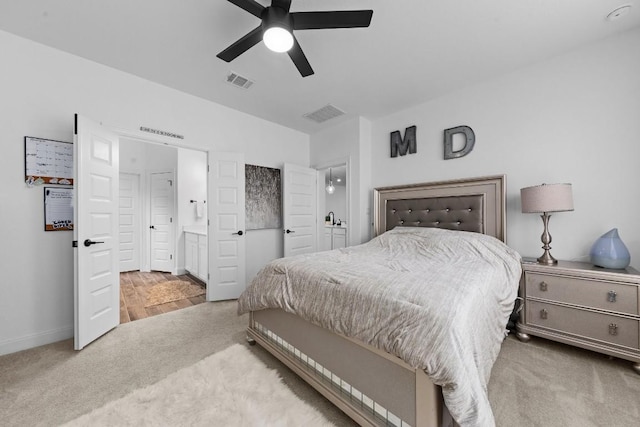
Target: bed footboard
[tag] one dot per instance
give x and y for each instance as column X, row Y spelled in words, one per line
column 371, row 386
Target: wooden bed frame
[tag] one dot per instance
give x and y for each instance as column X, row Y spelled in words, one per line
column 371, row 386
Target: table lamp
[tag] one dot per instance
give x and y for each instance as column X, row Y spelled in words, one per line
column 543, row 199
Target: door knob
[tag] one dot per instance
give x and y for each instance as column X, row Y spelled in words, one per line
column 289, row 231
column 153, row 227
column 239, row 233
column 90, row 242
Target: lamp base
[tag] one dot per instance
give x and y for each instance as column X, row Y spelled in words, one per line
column 547, row 259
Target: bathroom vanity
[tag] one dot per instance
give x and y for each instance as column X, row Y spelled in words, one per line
column 335, row 236
column 196, row 260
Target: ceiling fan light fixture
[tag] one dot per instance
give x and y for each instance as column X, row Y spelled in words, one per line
column 278, row 24
column 278, row 39
column 277, row 28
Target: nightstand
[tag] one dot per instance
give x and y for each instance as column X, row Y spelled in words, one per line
column 582, row 305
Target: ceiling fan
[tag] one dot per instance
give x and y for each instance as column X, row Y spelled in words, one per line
column 276, row 29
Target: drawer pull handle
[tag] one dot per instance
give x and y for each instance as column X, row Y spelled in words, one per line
column 611, row 296
column 544, row 313
column 613, row 329
column 543, row 286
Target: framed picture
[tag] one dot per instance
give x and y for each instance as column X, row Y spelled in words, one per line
column 58, row 209
column 263, row 198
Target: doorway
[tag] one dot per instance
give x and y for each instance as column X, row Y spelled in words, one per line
column 97, row 167
column 333, row 203
column 158, row 185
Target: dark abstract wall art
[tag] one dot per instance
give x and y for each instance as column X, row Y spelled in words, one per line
column 263, row 197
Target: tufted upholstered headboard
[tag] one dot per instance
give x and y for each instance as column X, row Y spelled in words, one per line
column 475, row 204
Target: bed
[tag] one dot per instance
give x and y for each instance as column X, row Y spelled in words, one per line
column 440, row 315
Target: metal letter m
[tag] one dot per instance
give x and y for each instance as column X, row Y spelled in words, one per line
column 401, row 145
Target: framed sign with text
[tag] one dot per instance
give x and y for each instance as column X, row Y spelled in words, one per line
column 58, row 208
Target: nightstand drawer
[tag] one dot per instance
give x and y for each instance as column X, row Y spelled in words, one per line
column 600, row 326
column 609, row 296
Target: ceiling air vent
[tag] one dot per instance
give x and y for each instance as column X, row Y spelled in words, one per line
column 238, row 80
column 325, row 113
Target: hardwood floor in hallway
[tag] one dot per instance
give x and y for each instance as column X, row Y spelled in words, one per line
column 134, row 288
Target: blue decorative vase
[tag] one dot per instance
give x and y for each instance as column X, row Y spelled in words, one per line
column 609, row 251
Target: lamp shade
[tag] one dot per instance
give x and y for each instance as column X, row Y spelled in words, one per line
column 547, row 198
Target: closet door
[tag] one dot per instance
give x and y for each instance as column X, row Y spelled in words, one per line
column 299, row 200
column 129, row 222
column 161, row 221
column 226, row 230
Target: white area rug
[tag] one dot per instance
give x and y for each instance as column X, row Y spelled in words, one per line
column 230, row 388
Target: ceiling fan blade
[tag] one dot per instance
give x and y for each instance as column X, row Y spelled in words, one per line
column 299, row 59
column 282, row 4
column 242, row 45
column 335, row 19
column 250, row 6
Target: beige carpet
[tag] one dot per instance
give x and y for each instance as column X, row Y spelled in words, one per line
column 174, row 290
column 230, row 388
column 534, row 384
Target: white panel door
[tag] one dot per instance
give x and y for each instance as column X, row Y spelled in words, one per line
column 161, row 221
column 227, row 233
column 129, row 222
column 96, row 257
column 299, row 210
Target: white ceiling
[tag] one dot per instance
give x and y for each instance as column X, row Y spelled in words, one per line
column 413, row 51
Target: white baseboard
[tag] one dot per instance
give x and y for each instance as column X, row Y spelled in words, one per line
column 35, row 340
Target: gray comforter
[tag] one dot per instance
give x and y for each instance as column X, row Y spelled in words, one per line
column 438, row 299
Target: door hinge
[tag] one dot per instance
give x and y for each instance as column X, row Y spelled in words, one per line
column 170, row 219
column 170, row 182
column 171, row 256
column 74, row 244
